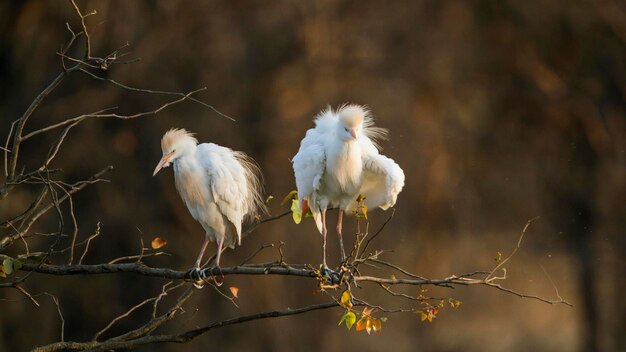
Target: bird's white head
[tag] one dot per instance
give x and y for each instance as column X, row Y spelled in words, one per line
column 175, row 143
column 351, row 119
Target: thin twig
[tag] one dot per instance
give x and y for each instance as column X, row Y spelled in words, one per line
column 393, row 212
column 123, row 315
column 393, row 266
column 517, row 247
column 269, row 245
column 96, row 234
column 85, row 32
column 25, row 293
column 56, row 302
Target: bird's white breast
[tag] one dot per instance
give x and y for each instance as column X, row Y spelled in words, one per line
column 344, row 168
column 192, row 182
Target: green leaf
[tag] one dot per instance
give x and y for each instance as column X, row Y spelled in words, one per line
column 7, row 266
column 349, row 318
column 296, row 213
column 17, row 265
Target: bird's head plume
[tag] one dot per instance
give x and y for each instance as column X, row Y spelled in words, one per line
column 350, row 119
column 175, row 142
column 176, row 136
column 356, row 120
column 352, row 116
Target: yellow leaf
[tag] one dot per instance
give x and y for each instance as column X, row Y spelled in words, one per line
column 158, row 242
column 349, row 318
column 235, row 291
column 367, row 311
column 368, row 324
column 455, row 303
column 377, row 325
column 498, row 257
column 346, row 299
column 296, row 213
column 291, row 195
column 270, row 197
column 392, row 277
column 364, row 210
column 424, row 316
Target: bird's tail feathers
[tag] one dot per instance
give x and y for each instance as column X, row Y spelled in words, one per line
column 317, row 216
column 254, row 178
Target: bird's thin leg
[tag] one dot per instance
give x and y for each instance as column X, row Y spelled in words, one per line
column 204, row 245
column 339, row 226
column 197, row 274
column 326, row 272
column 324, row 231
column 220, row 245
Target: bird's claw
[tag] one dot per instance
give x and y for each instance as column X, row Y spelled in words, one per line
column 329, row 275
column 198, row 276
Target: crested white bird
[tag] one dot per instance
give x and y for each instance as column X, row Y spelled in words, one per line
column 339, row 160
column 220, row 186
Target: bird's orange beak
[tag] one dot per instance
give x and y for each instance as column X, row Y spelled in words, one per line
column 353, row 133
column 162, row 162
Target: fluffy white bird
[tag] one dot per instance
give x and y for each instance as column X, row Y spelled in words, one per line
column 220, row 186
column 339, row 160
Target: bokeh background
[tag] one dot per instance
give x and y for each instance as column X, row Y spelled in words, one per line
column 499, row 112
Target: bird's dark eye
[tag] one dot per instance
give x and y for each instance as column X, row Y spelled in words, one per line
column 347, row 129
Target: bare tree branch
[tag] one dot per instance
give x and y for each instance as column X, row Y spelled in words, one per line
column 182, row 337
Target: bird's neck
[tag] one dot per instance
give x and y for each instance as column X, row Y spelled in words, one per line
column 346, row 147
column 190, row 181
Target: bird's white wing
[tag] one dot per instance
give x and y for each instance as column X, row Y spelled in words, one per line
column 310, row 161
column 309, row 164
column 228, row 182
column 383, row 179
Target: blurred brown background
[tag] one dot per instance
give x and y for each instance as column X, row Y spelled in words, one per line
column 499, row 111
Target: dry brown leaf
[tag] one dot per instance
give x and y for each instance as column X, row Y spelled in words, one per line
column 158, row 242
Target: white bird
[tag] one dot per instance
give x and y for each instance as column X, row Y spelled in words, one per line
column 338, row 160
column 220, row 187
